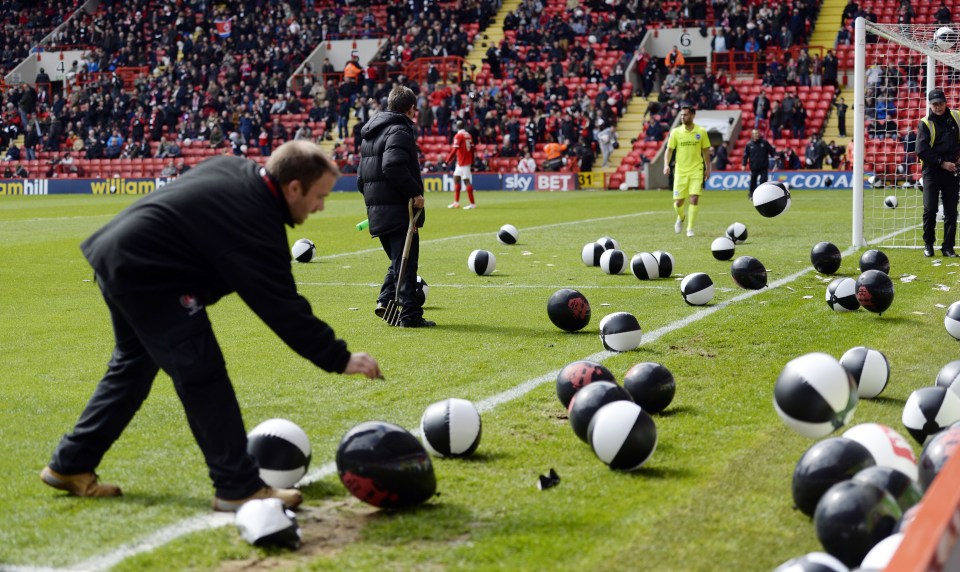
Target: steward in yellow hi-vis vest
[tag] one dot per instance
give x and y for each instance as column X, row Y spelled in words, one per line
column 689, row 149
column 938, row 146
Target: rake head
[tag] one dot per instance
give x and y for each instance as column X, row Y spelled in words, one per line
column 391, row 312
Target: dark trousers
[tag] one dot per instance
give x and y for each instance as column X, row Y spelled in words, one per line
column 940, row 185
column 393, row 246
column 171, row 332
column 757, row 178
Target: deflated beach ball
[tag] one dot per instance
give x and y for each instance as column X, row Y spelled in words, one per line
column 589, row 400
column 568, row 310
column 737, row 232
column 936, row 453
column 722, row 248
column 929, row 410
column 622, row 435
column 814, row 395
column 483, row 262
column 823, row 465
column 749, row 273
column 842, row 295
column 875, row 291
column 825, row 257
column 697, row 289
column 651, row 386
column 952, row 320
column 644, row 266
column 949, row 377
column 264, row 522
column 303, row 250
column 576, row 375
column 620, row 332
column 384, row 465
column 875, row 260
column 421, row 291
column 608, row 243
column 889, row 448
column 852, row 517
column 771, row 199
column 665, row 261
column 613, row 261
column 890, row 202
column 591, row 254
column 868, row 368
column 508, row 234
column 451, row 428
column 282, row 451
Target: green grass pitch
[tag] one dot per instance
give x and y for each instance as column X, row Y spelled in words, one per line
column 715, row 495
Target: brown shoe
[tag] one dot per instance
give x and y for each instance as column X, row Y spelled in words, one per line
column 291, row 498
column 81, row 484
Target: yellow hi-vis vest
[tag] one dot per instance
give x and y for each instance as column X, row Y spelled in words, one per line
column 933, row 130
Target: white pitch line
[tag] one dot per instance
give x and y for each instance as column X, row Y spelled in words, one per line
column 462, row 236
column 498, row 286
column 211, row 521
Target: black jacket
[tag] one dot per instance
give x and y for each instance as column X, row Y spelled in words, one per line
column 757, row 153
column 389, row 174
column 217, row 229
column 946, row 146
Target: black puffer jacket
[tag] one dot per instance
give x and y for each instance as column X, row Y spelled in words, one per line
column 389, row 174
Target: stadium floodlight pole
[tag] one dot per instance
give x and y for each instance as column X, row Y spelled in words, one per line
column 859, row 92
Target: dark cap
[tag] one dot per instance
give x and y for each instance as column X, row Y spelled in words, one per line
column 936, row 96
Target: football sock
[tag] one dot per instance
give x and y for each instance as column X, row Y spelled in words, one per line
column 692, row 212
column 679, row 210
column 456, row 192
column 470, row 192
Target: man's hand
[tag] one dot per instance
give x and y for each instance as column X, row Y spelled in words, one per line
column 418, row 201
column 666, row 170
column 363, row 364
column 952, row 167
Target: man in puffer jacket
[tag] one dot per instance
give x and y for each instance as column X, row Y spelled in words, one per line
column 389, row 177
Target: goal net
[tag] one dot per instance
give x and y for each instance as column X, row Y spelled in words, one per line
column 895, row 66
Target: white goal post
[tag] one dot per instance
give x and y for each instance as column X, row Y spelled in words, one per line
column 894, row 67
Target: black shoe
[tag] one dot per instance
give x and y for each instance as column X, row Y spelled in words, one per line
column 381, row 309
column 948, row 253
column 928, row 250
column 417, row 323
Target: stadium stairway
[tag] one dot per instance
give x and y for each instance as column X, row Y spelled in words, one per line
column 493, row 35
column 629, row 127
column 828, row 23
column 830, row 130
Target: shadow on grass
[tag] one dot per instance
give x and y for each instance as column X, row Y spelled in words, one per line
column 678, row 410
column 324, row 488
column 482, row 457
column 147, row 500
column 661, row 473
column 886, row 400
column 527, row 333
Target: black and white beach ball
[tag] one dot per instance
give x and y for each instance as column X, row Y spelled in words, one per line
column 737, row 232
column 508, row 234
column 666, row 262
column 697, row 289
column 771, row 199
column 608, row 243
column 949, row 377
column 900, row 486
column 869, row 368
column 282, row 451
column 483, row 262
column 852, row 517
column 620, row 332
column 823, row 465
column 613, row 261
column 888, row 447
column 814, row 395
column 451, row 428
column 591, row 254
column 622, row 435
column 303, row 250
column 951, row 321
column 422, row 291
column 589, row 400
column 936, row 453
column 929, row 410
column 842, row 295
column 813, row 562
column 644, row 266
column 722, row 248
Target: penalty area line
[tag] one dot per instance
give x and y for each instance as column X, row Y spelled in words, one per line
column 215, row 520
